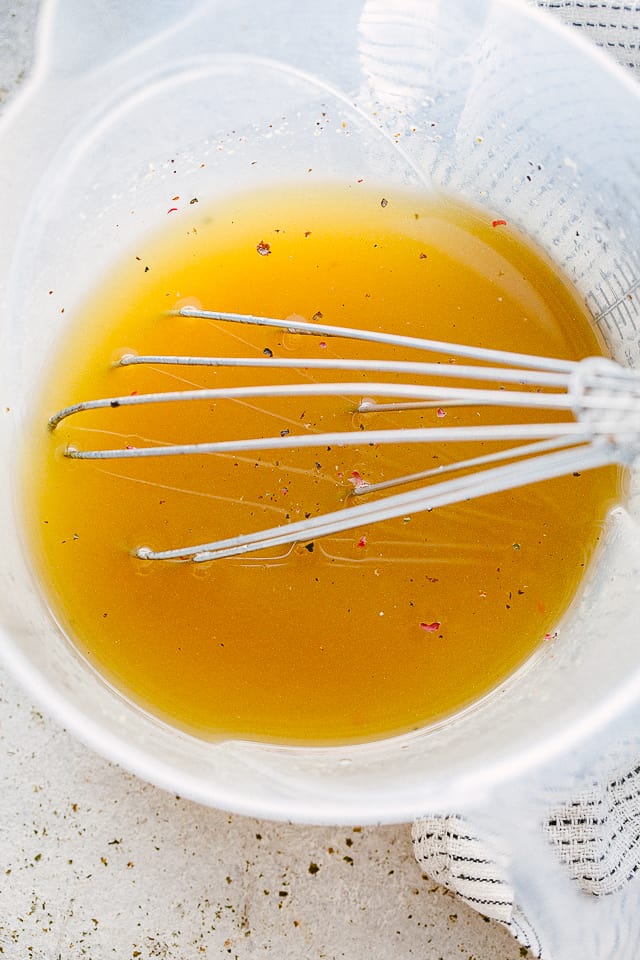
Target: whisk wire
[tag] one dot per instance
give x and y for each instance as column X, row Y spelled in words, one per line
column 602, row 396
column 493, row 480
column 295, row 325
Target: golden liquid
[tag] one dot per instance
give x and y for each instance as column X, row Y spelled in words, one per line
column 374, row 631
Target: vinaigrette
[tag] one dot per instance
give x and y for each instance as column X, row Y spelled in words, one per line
column 358, row 636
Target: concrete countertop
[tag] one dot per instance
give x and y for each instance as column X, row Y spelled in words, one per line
column 95, row 863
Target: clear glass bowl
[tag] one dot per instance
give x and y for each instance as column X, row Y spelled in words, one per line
column 130, row 103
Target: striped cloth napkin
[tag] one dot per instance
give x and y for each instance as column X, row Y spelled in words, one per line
column 597, row 832
column 596, row 835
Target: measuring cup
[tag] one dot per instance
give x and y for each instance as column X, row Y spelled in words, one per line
column 132, row 103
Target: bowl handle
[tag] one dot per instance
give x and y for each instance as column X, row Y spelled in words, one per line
column 75, row 37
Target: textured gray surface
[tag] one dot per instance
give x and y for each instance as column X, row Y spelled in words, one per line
column 16, row 43
column 95, row 863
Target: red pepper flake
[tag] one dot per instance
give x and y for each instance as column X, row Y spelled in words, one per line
column 498, row 223
column 134, row 393
column 264, row 249
column 174, row 199
column 284, row 491
column 307, row 233
column 360, row 180
column 430, row 627
column 423, row 256
column 357, row 480
column 172, row 209
column 441, row 413
column 323, row 345
column 551, row 636
column 362, row 542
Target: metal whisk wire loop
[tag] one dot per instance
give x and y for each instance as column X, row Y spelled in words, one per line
column 603, row 397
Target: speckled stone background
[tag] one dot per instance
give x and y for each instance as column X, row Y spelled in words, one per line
column 97, row 864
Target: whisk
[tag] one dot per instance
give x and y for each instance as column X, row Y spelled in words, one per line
column 603, row 397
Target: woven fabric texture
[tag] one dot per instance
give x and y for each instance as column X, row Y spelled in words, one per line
column 615, row 26
column 596, row 835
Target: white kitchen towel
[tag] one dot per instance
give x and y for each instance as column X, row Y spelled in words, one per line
column 596, row 833
column 450, row 853
column 612, row 24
